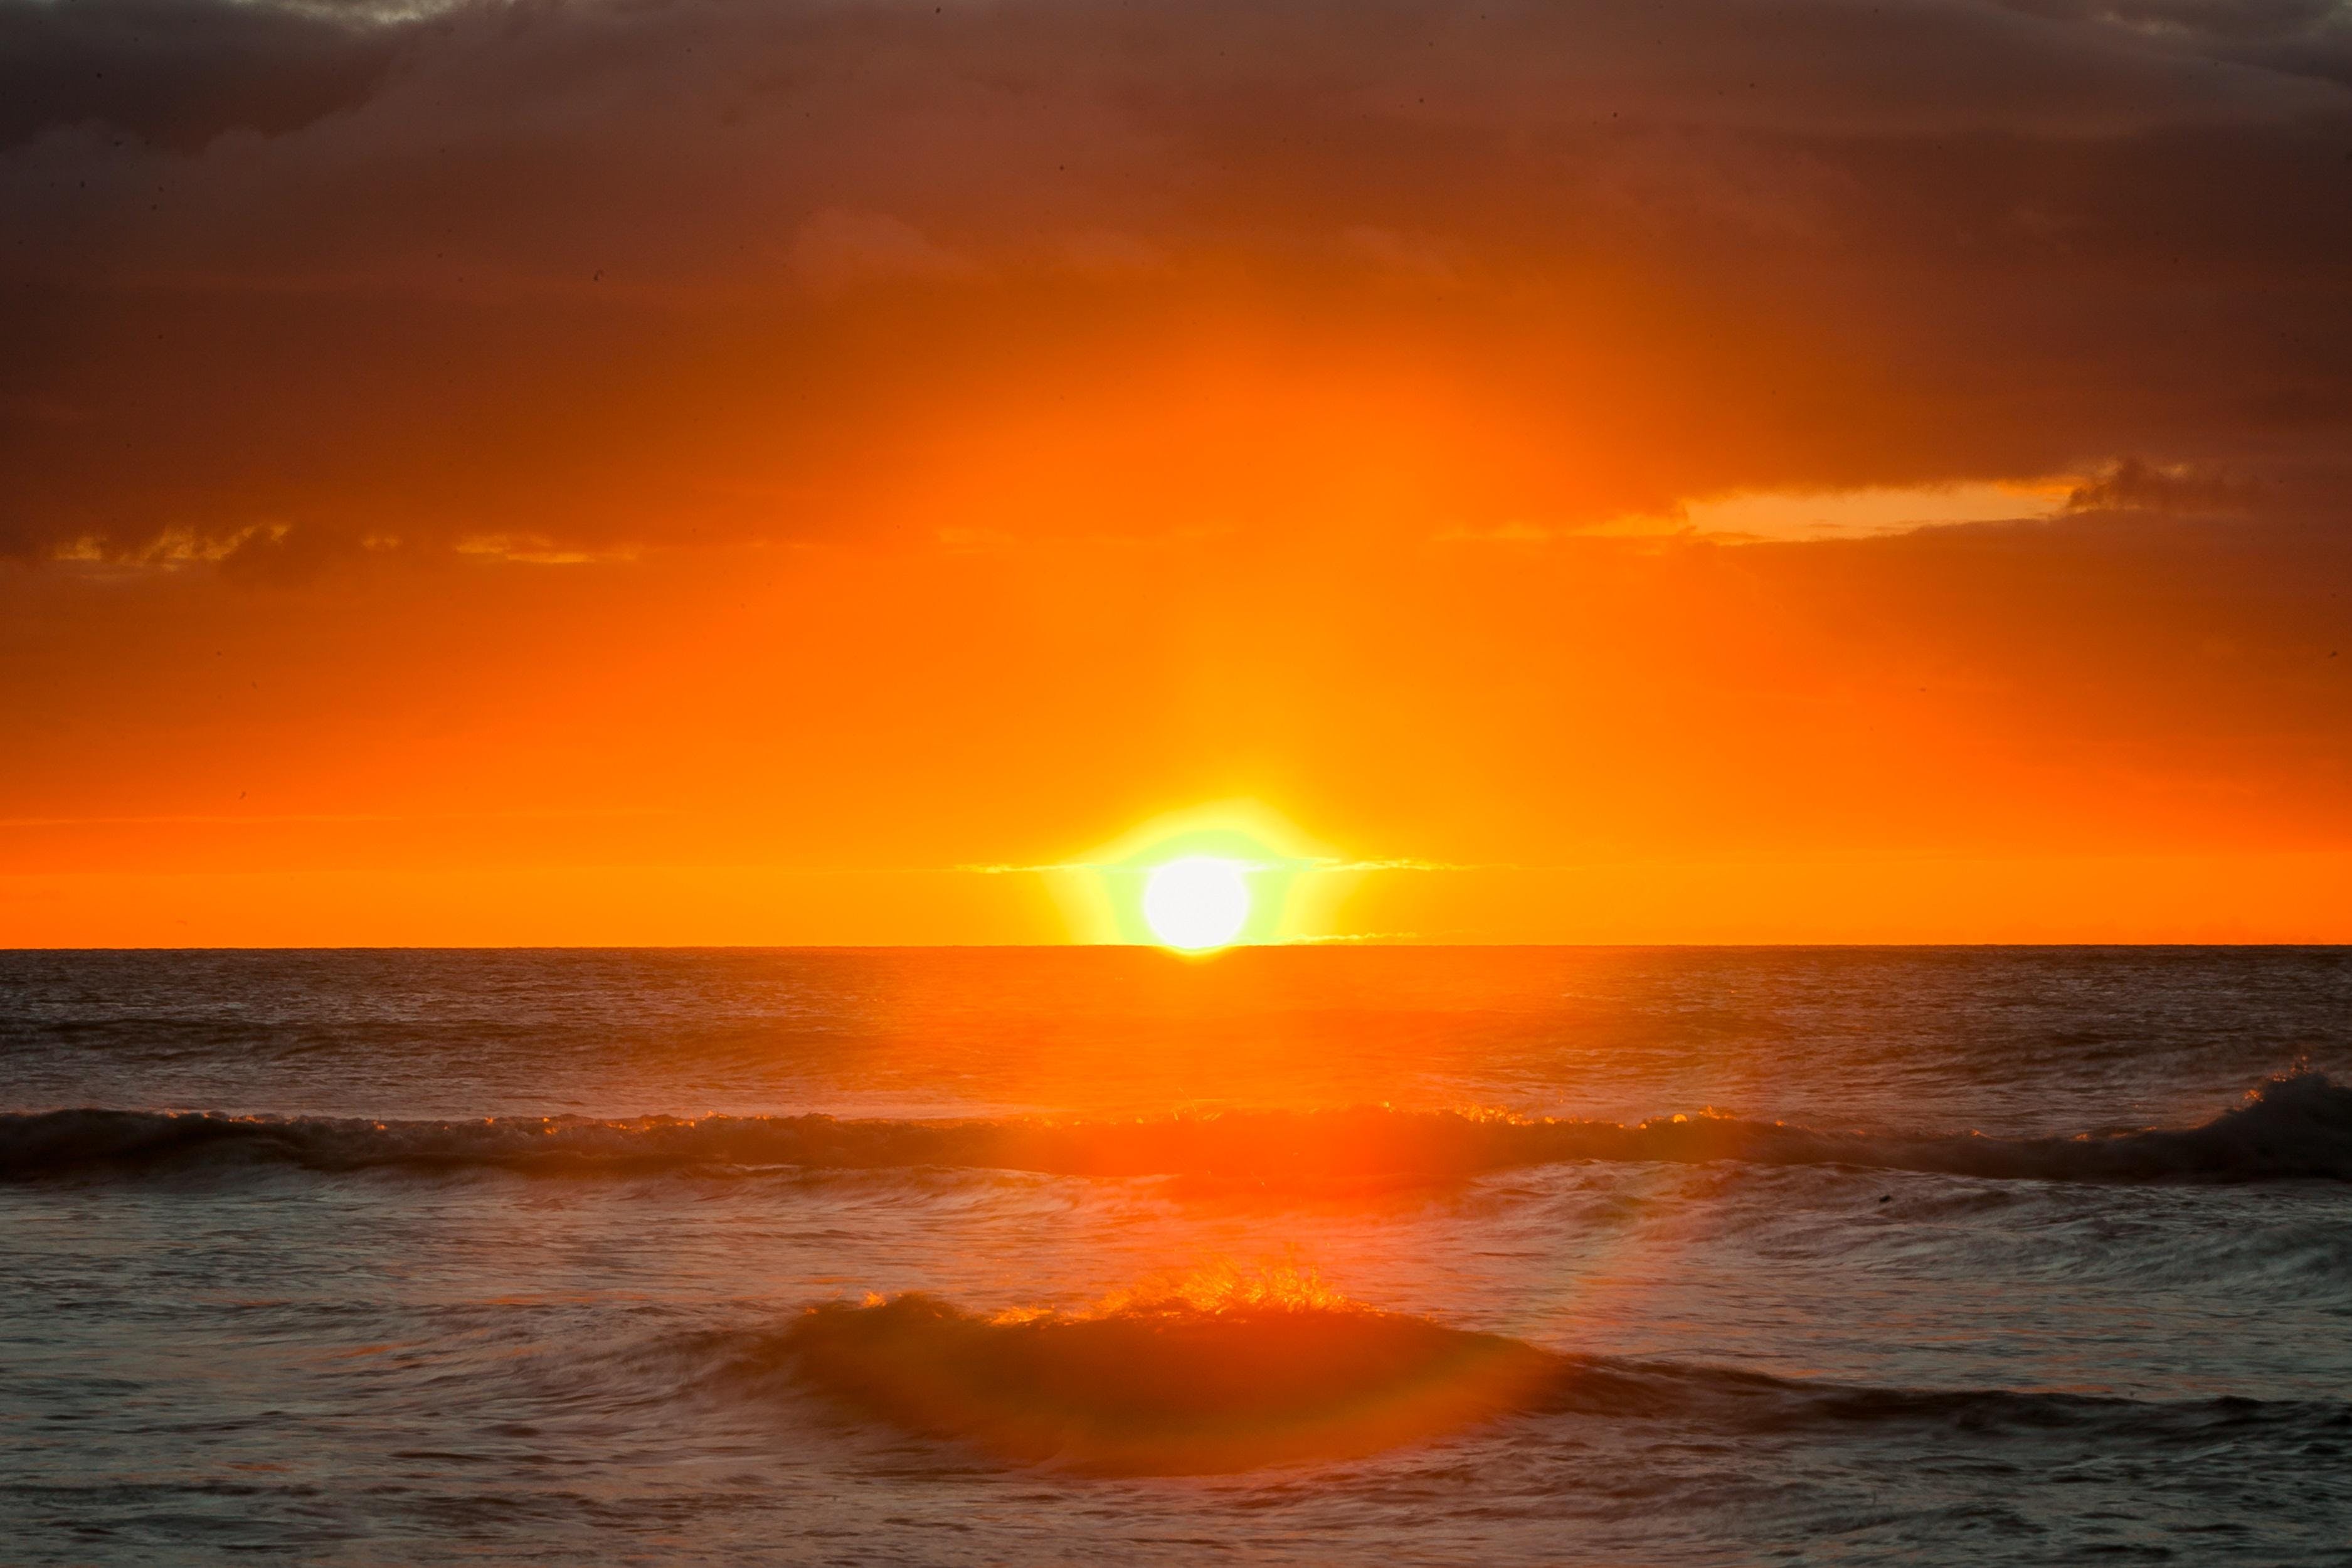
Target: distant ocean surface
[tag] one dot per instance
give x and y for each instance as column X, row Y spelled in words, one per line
column 1100, row 1255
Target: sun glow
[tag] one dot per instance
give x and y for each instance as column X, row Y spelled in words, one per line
column 1228, row 874
column 1197, row 902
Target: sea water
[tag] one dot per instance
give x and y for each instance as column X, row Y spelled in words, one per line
column 1295, row 1255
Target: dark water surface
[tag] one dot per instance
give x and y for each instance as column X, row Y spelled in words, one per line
column 1295, row 1255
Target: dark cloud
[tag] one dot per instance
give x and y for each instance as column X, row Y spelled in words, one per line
column 179, row 74
column 2299, row 37
column 706, row 270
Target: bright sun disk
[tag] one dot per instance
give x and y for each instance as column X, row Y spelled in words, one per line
column 1198, row 902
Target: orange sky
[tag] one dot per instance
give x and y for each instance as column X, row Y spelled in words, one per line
column 708, row 473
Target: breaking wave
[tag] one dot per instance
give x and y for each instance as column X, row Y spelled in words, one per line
column 1164, row 1386
column 2295, row 1126
column 1179, row 1386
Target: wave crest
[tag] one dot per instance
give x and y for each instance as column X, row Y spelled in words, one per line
column 1282, row 1371
column 2295, row 1126
column 1162, row 1385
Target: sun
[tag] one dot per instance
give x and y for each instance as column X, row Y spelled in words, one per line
column 1197, row 902
column 1230, row 873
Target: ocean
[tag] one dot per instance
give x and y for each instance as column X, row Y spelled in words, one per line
column 1299, row 1255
